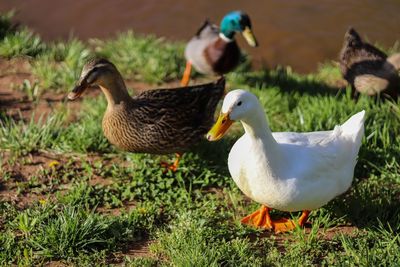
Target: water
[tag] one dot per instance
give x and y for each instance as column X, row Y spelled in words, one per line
column 299, row 33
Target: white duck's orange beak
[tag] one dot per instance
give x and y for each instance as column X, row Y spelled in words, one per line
column 220, row 127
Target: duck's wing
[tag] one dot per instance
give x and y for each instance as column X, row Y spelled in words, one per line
column 301, row 138
column 208, row 29
column 180, row 109
column 352, row 129
column 196, row 47
column 318, row 156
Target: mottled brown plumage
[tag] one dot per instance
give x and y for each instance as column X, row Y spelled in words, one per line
column 367, row 69
column 157, row 121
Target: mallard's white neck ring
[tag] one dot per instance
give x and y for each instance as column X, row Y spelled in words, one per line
column 226, row 39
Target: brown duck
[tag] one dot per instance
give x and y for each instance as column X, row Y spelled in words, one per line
column 160, row 121
column 367, row 69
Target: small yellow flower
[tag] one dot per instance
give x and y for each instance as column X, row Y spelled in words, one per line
column 43, row 201
column 142, row 210
column 54, row 163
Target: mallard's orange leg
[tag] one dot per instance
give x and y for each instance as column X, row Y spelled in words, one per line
column 173, row 167
column 186, row 74
column 285, row 225
column 259, row 218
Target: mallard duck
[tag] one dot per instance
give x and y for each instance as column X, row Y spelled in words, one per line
column 214, row 50
column 286, row 171
column 367, row 69
column 158, row 121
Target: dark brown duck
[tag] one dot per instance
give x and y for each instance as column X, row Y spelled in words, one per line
column 367, row 69
column 160, row 121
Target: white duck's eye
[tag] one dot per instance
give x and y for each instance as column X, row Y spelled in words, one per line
column 239, row 103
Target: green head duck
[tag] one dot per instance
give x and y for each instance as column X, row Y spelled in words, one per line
column 238, row 21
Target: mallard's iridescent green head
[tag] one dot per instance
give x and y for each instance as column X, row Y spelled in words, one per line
column 238, row 21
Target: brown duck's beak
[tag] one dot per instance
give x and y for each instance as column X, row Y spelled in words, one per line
column 77, row 91
column 220, row 127
column 249, row 36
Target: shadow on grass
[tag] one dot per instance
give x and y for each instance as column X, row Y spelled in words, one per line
column 6, row 26
column 367, row 209
column 12, row 108
column 4, row 117
column 374, row 196
column 215, row 154
column 369, row 203
column 289, row 82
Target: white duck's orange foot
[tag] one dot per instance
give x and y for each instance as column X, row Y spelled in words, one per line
column 262, row 219
column 286, row 225
column 259, row 218
column 283, row 225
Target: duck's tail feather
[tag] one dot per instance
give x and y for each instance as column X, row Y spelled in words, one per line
column 355, row 125
column 205, row 24
column 353, row 130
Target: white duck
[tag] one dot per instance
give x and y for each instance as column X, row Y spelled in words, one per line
column 287, row 171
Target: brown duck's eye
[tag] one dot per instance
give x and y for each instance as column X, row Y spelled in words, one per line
column 239, row 103
column 91, row 77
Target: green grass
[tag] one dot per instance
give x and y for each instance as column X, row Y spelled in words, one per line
column 90, row 204
column 144, row 58
column 59, row 66
column 17, row 41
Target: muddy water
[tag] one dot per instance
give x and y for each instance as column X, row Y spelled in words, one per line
column 299, row 33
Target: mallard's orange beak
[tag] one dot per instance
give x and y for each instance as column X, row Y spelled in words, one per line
column 220, row 127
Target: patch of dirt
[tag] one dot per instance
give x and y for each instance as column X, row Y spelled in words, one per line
column 25, row 180
column 345, row 230
column 13, row 101
column 17, row 65
column 16, row 104
column 20, row 172
column 136, row 249
column 55, row 264
column 12, row 74
column 35, row 176
column 127, row 207
column 281, row 238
